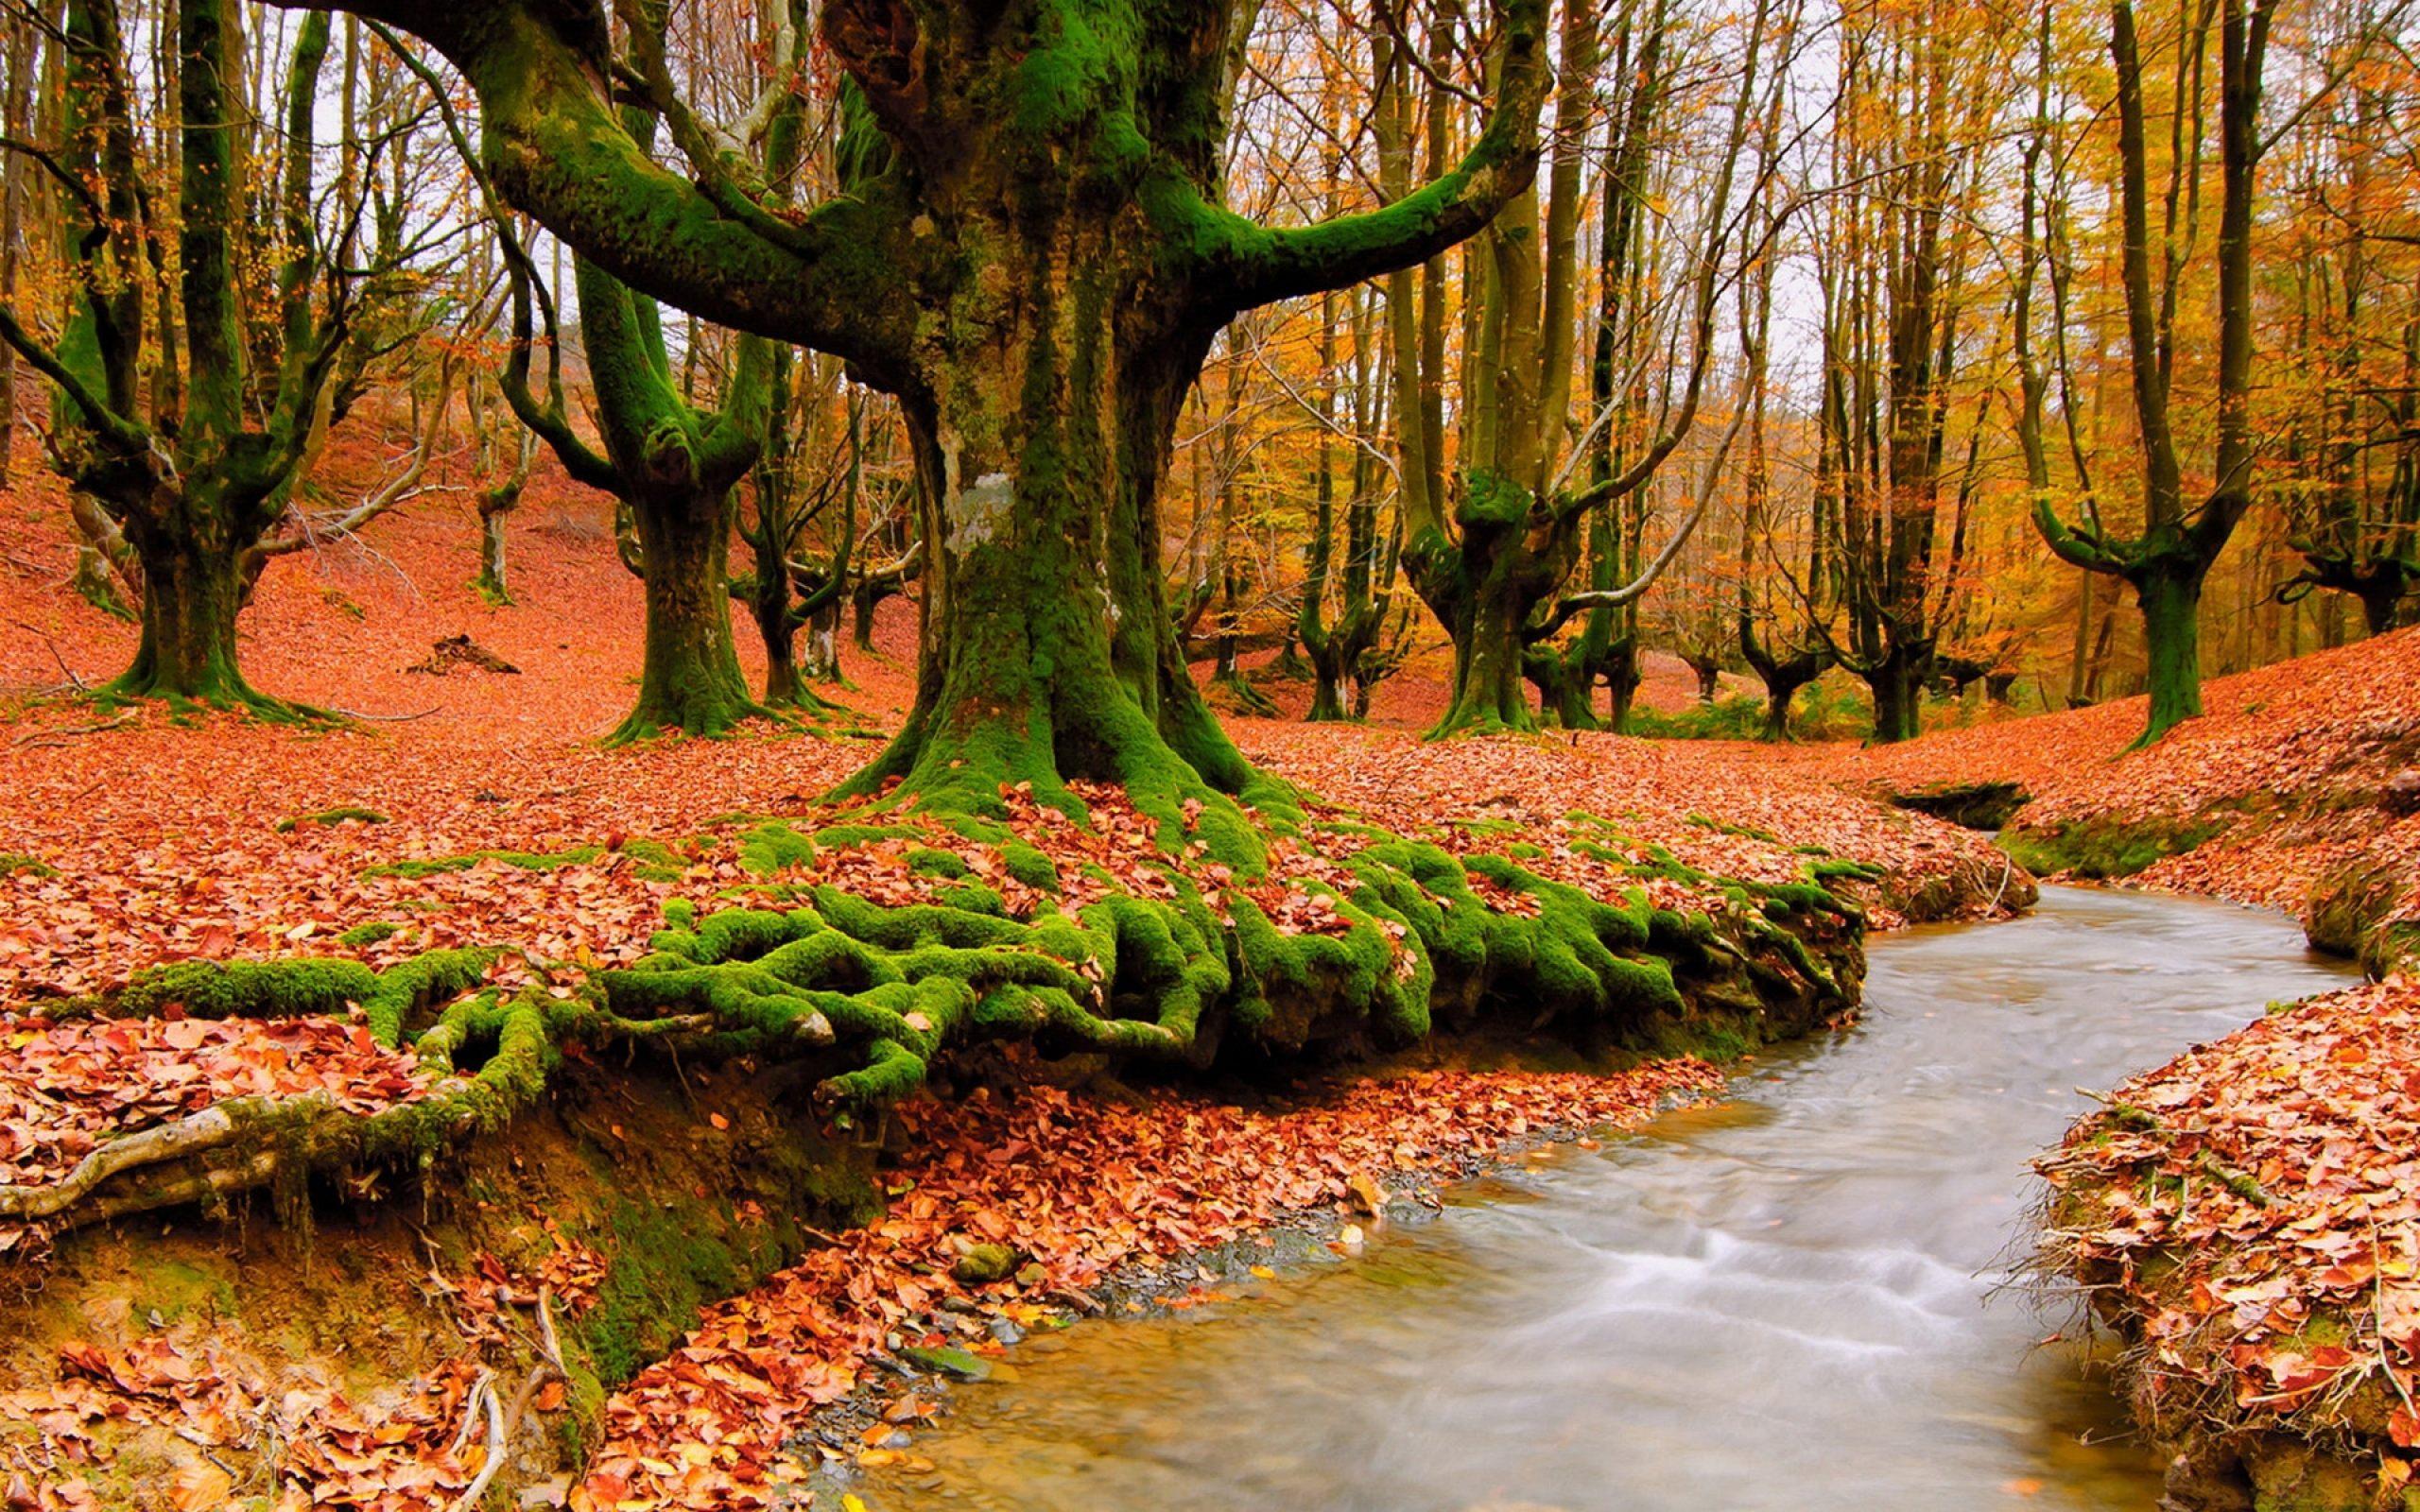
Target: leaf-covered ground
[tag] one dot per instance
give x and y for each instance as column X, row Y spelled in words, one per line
column 2249, row 1216
column 2282, row 790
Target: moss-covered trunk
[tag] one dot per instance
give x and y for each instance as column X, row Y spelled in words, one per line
column 1566, row 684
column 1485, row 587
column 689, row 676
column 1045, row 427
column 1897, row 678
column 1781, row 687
column 2170, row 587
column 193, row 588
column 1488, row 692
column 769, row 606
column 490, row 582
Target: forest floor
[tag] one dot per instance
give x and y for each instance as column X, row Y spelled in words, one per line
column 475, row 807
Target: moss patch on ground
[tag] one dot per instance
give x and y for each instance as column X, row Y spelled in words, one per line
column 2103, row 849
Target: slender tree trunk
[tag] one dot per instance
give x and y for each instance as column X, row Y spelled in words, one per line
column 2081, row 652
column 863, row 600
column 1622, row 676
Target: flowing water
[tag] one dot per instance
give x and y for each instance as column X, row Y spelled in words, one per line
column 1783, row 1302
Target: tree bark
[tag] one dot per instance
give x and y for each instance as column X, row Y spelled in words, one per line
column 192, row 591
column 1898, row 680
column 2169, row 588
column 689, row 675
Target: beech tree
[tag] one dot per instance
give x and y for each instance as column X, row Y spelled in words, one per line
column 184, row 436
column 2182, row 534
column 1493, row 566
column 1034, row 259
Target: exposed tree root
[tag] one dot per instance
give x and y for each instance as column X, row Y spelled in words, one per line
column 1129, row 939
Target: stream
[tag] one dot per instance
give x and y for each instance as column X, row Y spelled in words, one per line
column 1785, row 1301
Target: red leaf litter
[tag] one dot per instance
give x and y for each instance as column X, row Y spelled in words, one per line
column 2251, row 1212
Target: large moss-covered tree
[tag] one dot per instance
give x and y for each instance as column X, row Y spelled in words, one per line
column 1035, row 263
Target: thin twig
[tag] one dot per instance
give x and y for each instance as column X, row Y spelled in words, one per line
column 61, row 737
column 53, row 654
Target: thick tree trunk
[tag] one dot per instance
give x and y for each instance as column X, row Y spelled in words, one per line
column 770, row 608
column 192, row 591
column 1566, row 690
column 1489, row 690
column 1621, row 678
column 1048, row 655
column 1328, row 704
column 1709, row 674
column 2170, row 589
column 1484, row 590
column 1781, row 688
column 2381, row 602
column 821, row 660
column 1898, row 682
column 689, row 676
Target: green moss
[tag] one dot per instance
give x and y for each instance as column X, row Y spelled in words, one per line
column 2103, row 849
column 330, row 817
column 13, row 863
column 373, row 933
column 975, row 898
column 1029, row 866
column 260, row 990
column 930, row 863
column 1745, row 831
column 172, row 1289
column 524, row 860
column 773, row 846
column 660, row 1280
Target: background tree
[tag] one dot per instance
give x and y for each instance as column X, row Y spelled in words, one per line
column 187, row 436
column 2168, row 562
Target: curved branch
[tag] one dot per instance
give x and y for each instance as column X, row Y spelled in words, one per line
column 1243, row 264
column 558, row 149
column 121, row 432
column 2085, row 548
